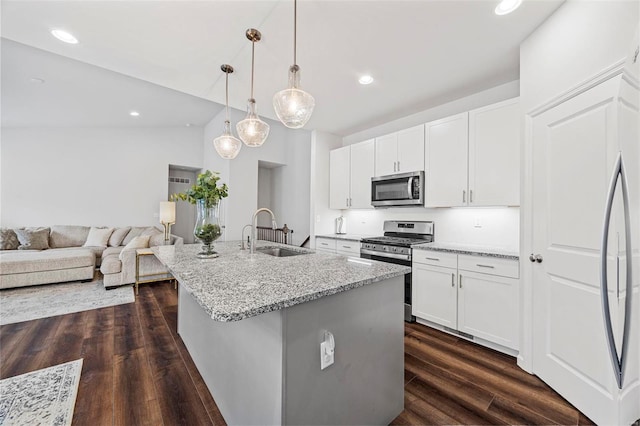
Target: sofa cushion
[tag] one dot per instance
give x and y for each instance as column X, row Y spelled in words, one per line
column 134, row 232
column 33, row 238
column 141, row 241
column 20, row 262
column 111, row 265
column 98, row 237
column 118, row 236
column 112, row 250
column 68, row 236
column 8, row 239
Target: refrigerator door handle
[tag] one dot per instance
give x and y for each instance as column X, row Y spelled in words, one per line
column 618, row 362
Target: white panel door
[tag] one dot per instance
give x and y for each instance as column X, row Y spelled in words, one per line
column 487, row 307
column 386, row 155
column 339, row 175
column 573, row 153
column 434, row 294
column 411, row 149
column 446, row 161
column 494, row 155
column 362, row 170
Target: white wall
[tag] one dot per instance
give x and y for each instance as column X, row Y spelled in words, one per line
column 291, row 148
column 578, row 41
column 477, row 100
column 321, row 217
column 90, row 176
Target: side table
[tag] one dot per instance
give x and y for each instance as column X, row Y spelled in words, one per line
column 149, row 278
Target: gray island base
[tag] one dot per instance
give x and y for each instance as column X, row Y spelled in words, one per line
column 264, row 365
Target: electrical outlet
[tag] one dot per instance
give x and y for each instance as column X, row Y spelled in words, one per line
column 477, row 223
column 327, row 350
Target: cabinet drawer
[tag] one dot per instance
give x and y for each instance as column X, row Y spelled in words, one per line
column 435, row 258
column 326, row 244
column 348, row 248
column 489, row 265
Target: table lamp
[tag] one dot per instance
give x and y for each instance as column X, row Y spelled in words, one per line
column 167, row 218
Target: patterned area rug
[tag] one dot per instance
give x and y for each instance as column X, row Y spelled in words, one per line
column 41, row 301
column 42, row 397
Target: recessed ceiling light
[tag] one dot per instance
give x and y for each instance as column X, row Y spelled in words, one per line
column 507, row 6
column 365, row 79
column 134, row 113
column 65, row 36
column 36, row 80
column 188, row 124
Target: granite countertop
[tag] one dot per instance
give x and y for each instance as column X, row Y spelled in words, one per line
column 347, row 237
column 475, row 250
column 238, row 285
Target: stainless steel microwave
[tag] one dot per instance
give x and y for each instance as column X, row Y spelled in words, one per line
column 401, row 190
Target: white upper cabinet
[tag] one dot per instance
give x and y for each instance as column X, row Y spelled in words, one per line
column 400, row 152
column 494, row 155
column 411, row 149
column 446, row 161
column 386, row 154
column 339, row 177
column 350, row 171
column 362, row 170
column 473, row 159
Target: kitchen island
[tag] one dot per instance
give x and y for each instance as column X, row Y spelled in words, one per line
column 254, row 324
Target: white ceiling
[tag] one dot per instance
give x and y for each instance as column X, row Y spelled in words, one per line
column 421, row 53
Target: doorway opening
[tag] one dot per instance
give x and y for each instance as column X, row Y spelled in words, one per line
column 182, row 178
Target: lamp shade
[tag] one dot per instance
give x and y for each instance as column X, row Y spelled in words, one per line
column 167, row 212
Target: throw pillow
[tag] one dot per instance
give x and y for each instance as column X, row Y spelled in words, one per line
column 63, row 236
column 118, row 236
column 8, row 239
column 134, row 232
column 33, row 238
column 98, row 237
column 141, row 241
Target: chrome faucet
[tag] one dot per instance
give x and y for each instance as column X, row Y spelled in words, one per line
column 254, row 227
column 248, row 238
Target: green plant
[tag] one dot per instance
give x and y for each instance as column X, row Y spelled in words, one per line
column 206, row 188
column 208, row 233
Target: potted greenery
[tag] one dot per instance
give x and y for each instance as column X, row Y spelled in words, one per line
column 206, row 195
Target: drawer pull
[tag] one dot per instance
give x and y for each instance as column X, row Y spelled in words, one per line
column 485, row 266
column 324, row 244
column 433, row 258
column 347, row 247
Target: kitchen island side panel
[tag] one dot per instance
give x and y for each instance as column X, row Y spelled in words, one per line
column 365, row 385
column 241, row 361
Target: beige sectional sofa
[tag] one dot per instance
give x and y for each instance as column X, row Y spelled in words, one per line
column 69, row 258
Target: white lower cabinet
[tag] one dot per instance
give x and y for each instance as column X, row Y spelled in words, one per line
column 338, row 246
column 472, row 294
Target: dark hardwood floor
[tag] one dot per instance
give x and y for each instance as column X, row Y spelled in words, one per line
column 137, row 371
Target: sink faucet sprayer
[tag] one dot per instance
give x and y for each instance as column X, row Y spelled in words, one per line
column 254, row 227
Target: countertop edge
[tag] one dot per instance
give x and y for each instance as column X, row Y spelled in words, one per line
column 467, row 251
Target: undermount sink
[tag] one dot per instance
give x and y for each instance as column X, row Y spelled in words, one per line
column 280, row 252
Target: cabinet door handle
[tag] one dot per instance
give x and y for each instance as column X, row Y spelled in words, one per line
column 471, row 195
column 485, row 266
column 433, row 258
column 394, row 166
column 464, row 196
column 453, row 280
column 398, row 166
column 460, row 281
column 350, row 202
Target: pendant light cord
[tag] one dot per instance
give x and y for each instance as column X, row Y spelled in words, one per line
column 295, row 29
column 253, row 50
column 226, row 89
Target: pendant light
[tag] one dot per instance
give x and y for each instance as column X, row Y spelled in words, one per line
column 252, row 130
column 293, row 105
column 226, row 144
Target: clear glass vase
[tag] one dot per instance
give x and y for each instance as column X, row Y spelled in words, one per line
column 207, row 228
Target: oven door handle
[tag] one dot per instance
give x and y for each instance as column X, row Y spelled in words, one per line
column 389, row 255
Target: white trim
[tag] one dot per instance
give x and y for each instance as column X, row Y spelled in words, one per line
column 589, row 83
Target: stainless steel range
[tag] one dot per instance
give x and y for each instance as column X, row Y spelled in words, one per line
column 395, row 247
